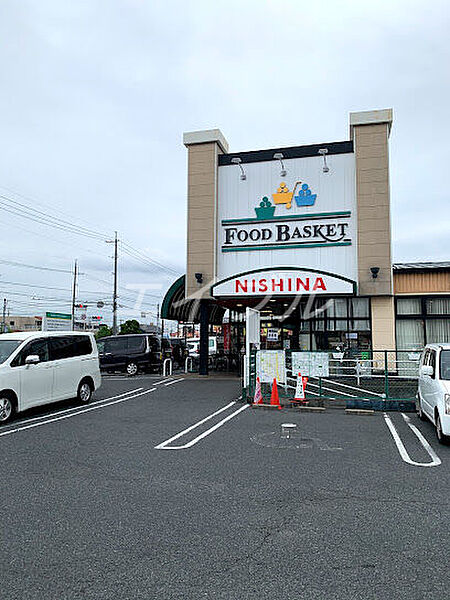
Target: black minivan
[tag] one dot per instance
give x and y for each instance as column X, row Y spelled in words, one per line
column 131, row 353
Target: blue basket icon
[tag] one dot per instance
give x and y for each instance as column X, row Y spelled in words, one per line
column 305, row 197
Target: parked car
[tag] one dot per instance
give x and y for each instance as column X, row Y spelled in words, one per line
column 134, row 352
column 433, row 396
column 193, row 346
column 42, row 367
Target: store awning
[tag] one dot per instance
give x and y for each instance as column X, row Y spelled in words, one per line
column 176, row 307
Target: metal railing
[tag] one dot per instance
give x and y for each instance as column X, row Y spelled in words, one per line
column 381, row 379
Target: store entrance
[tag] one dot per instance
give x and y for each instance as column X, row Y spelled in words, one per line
column 341, row 324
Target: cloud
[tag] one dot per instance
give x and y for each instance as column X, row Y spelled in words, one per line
column 96, row 95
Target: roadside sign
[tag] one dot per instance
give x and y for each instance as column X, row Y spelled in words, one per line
column 100, row 304
column 56, row 322
column 311, row 364
column 271, row 364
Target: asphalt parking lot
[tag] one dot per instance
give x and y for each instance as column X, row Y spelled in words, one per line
column 171, row 489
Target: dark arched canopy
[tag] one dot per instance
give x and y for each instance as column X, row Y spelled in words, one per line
column 176, row 307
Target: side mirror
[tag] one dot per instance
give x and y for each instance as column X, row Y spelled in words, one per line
column 32, row 359
column 427, row 370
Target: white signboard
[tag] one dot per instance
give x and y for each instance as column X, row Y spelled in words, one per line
column 56, row 322
column 253, row 326
column 306, row 218
column 283, row 282
column 272, row 335
column 310, row 364
column 271, row 364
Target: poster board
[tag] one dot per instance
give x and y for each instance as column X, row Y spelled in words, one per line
column 311, row 364
column 271, row 364
column 56, row 322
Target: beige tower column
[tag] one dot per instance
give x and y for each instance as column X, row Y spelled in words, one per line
column 204, row 148
column 370, row 131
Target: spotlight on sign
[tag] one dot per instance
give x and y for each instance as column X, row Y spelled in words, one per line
column 279, row 156
column 323, row 152
column 237, row 161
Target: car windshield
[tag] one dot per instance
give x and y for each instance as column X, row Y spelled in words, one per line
column 7, row 347
column 445, row 365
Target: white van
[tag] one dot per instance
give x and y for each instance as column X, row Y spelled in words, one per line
column 193, row 347
column 41, row 367
column 433, row 396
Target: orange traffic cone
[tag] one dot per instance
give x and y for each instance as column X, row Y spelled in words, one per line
column 274, row 398
column 258, row 399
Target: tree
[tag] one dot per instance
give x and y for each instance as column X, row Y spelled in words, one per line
column 130, row 326
column 103, row 331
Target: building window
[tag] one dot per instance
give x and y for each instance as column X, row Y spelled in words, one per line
column 410, row 334
column 336, row 322
column 409, row 306
column 421, row 321
column 360, row 308
column 438, row 330
column 438, row 306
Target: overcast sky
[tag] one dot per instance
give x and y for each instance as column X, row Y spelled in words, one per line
column 95, row 96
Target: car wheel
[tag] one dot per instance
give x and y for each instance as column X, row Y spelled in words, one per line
column 442, row 439
column 6, row 408
column 132, row 369
column 84, row 394
column 420, row 412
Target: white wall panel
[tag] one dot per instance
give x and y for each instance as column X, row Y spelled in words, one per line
column 335, row 192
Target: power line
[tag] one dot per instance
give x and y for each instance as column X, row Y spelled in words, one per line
column 52, row 208
column 45, row 220
column 12, row 263
column 139, row 255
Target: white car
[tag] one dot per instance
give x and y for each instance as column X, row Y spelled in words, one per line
column 433, row 396
column 43, row 367
column 193, row 347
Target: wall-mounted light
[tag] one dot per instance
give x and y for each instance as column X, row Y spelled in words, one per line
column 199, row 277
column 279, row 156
column 237, row 161
column 323, row 152
column 374, row 271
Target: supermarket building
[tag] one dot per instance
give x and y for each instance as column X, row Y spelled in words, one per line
column 304, row 234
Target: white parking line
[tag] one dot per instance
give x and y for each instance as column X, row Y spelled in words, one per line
column 165, row 445
column 435, row 460
column 176, row 381
column 74, row 414
column 66, row 410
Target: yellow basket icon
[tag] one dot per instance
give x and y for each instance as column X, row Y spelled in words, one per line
column 283, row 195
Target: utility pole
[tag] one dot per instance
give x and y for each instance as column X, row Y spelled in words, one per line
column 114, row 327
column 115, row 241
column 74, row 292
column 4, row 316
column 157, row 319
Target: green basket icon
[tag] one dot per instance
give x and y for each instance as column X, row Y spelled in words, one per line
column 265, row 210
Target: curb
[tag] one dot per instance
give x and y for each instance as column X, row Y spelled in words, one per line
column 359, row 411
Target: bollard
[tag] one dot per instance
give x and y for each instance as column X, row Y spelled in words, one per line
column 186, row 364
column 168, row 362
